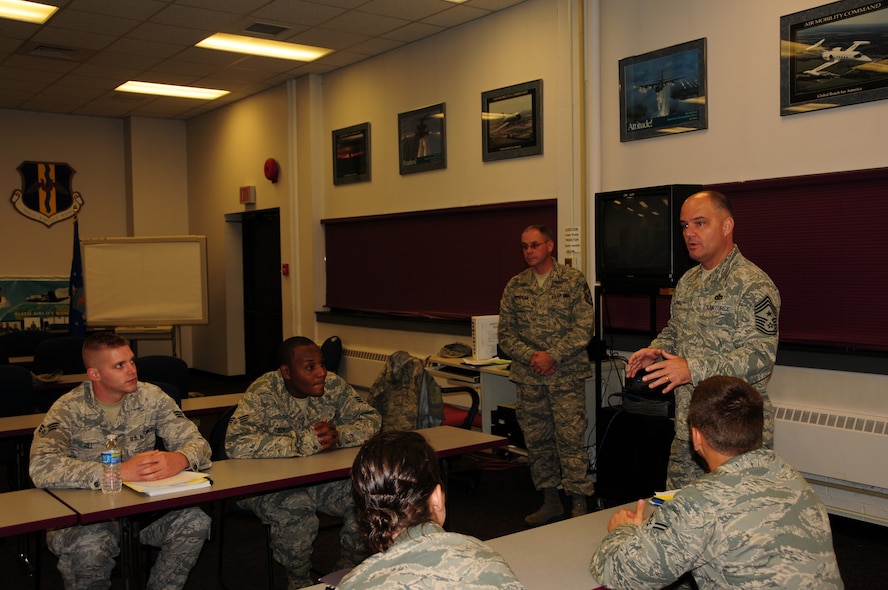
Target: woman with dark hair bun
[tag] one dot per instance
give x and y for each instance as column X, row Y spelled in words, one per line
column 399, row 503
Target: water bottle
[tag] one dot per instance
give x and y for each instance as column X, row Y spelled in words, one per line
column 111, row 481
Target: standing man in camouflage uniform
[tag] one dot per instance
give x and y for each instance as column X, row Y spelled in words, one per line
column 66, row 454
column 296, row 411
column 545, row 324
column 723, row 322
column 752, row 522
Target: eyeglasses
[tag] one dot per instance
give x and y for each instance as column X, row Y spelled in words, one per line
column 533, row 245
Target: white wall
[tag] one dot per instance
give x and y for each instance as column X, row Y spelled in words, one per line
column 538, row 39
column 94, row 148
column 227, row 149
column 747, row 138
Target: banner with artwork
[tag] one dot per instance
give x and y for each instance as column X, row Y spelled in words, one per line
column 33, row 303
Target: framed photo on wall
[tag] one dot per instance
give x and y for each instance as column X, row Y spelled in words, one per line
column 663, row 92
column 832, row 56
column 512, row 121
column 351, row 154
column 421, row 140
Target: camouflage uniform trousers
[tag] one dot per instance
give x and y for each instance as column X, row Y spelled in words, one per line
column 86, row 553
column 686, row 466
column 292, row 516
column 553, row 420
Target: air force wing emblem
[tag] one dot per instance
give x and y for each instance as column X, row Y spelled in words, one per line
column 47, row 194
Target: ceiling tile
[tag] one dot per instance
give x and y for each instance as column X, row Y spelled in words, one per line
column 154, row 40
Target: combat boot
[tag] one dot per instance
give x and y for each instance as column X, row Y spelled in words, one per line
column 550, row 509
column 579, row 505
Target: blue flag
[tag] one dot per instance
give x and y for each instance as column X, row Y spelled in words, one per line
column 76, row 295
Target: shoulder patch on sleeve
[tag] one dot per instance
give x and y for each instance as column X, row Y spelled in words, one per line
column 766, row 316
column 45, row 429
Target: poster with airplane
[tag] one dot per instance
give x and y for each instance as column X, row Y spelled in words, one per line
column 663, row 92
column 833, row 55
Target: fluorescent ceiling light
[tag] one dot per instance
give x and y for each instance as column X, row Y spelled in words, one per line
column 29, row 12
column 263, row 47
column 171, row 90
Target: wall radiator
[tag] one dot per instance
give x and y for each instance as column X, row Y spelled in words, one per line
column 834, row 444
column 361, row 367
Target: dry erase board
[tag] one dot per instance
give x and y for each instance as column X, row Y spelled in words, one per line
column 147, row 281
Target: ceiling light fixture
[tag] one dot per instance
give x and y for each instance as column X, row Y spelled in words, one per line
column 171, row 90
column 29, row 12
column 263, row 47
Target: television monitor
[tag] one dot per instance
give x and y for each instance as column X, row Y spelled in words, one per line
column 638, row 241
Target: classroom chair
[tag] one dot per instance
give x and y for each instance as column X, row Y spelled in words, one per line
column 23, row 342
column 161, row 368
column 331, row 351
column 62, row 353
column 16, row 399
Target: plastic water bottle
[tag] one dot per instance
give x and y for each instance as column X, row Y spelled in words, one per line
column 111, row 481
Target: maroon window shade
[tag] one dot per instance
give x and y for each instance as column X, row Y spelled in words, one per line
column 821, row 240
column 442, row 264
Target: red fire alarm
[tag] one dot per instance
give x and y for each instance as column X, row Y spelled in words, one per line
column 285, row 269
column 271, row 170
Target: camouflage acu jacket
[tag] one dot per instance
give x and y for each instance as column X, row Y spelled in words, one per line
column 558, row 320
column 722, row 324
column 68, row 444
column 427, row 557
column 269, row 423
column 752, row 523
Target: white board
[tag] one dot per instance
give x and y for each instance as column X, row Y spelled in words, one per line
column 146, row 281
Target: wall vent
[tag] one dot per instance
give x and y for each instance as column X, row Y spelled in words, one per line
column 832, row 420
column 361, row 367
column 833, row 444
column 55, row 52
column 265, row 29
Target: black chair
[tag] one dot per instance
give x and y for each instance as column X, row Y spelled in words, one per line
column 331, row 351
column 4, row 356
column 462, row 418
column 161, row 368
column 24, row 342
column 63, row 353
column 217, row 444
column 16, row 399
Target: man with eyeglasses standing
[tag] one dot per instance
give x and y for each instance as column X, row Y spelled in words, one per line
column 545, row 324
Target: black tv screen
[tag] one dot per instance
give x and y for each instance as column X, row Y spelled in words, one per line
column 638, row 241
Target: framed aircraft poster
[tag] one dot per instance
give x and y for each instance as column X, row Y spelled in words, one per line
column 833, row 55
column 421, row 141
column 512, row 121
column 663, row 92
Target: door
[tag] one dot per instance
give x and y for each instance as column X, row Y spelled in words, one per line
column 263, row 318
